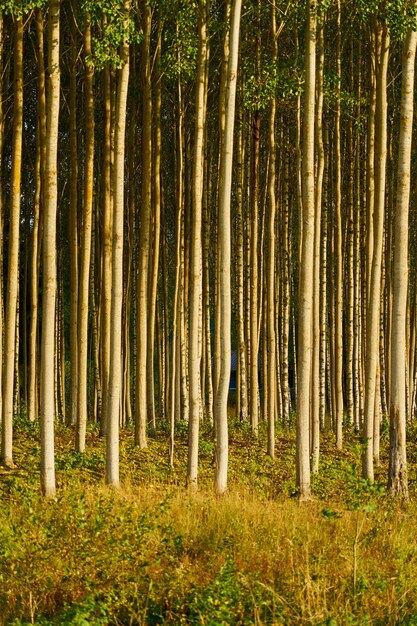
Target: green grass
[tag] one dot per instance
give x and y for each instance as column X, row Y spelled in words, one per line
column 154, row 553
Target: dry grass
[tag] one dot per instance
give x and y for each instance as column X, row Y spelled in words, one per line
column 155, row 554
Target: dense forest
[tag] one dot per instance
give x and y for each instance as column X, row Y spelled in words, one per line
column 190, row 188
column 208, row 270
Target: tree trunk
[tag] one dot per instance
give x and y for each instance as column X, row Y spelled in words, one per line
column 82, row 322
column 195, row 329
column 145, row 234
column 115, row 378
column 73, row 226
column 338, row 247
column 224, row 292
column 47, row 404
column 397, row 477
column 306, row 269
column 13, row 252
column 373, row 309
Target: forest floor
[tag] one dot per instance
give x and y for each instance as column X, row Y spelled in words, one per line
column 153, row 553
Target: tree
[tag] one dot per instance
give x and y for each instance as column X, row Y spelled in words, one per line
column 382, row 40
column 115, row 377
column 397, row 475
column 8, row 372
column 305, row 297
column 224, row 295
column 47, row 405
column 196, row 284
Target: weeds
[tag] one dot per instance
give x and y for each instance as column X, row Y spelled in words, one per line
column 155, row 554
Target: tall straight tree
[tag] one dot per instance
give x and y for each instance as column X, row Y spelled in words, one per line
column 338, row 347
column 270, row 279
column 115, row 377
column 32, row 408
column 373, row 305
column 397, row 479
column 315, row 386
column 86, row 231
column 1, row 201
column 73, row 220
column 224, row 246
column 8, row 371
column 145, row 233
column 305, row 302
column 47, row 392
column 196, row 278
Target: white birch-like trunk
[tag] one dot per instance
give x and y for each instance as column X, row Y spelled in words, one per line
column 8, row 370
column 115, row 378
column 224, row 293
column 195, row 276
column 373, row 308
column 397, row 480
column 47, row 395
column 305, row 311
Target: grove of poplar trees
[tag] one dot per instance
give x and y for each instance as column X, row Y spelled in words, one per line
column 188, row 181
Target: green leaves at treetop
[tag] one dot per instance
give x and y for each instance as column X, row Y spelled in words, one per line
column 112, row 26
column 180, row 38
column 398, row 15
column 401, row 17
column 18, row 8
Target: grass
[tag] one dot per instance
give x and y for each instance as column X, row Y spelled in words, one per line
column 154, row 553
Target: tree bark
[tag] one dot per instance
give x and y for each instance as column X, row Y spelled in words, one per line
column 397, row 477
column 47, row 404
column 115, row 378
column 13, row 251
column 306, row 269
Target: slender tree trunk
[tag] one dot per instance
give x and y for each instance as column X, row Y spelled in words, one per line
column 1, row 203
column 47, row 404
column 106, row 270
column 285, row 293
column 13, row 251
column 241, row 383
column 195, row 329
column 315, row 384
column 323, row 286
column 270, row 280
column 82, row 321
column 73, row 226
column 156, row 180
column 306, row 270
column 224, row 293
column 349, row 228
column 39, row 195
column 254, row 279
column 373, row 309
column 397, row 476
column 115, row 378
column 338, row 246
column 145, row 234
column 175, row 405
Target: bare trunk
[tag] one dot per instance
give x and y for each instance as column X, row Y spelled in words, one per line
column 47, row 404
column 306, row 270
column 397, row 477
column 13, row 252
column 115, row 379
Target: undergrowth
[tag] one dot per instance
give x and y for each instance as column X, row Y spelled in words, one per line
column 155, row 554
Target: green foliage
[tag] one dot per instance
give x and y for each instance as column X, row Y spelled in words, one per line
column 19, row 8
column 399, row 15
column 180, row 38
column 361, row 494
column 111, row 28
column 259, row 89
column 155, row 554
